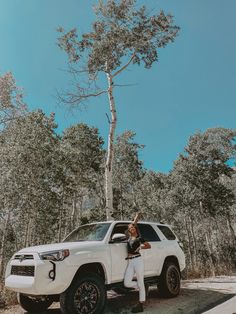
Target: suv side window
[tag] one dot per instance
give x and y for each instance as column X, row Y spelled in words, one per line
column 148, row 233
column 167, row 232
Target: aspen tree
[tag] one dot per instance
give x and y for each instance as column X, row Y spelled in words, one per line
column 121, row 35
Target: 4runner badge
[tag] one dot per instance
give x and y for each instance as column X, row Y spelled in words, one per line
column 21, row 258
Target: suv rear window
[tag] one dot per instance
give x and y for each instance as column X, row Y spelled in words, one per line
column 148, row 233
column 167, row 232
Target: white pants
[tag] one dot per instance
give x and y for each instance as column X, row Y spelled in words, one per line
column 135, row 266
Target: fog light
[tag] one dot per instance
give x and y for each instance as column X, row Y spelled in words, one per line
column 51, row 274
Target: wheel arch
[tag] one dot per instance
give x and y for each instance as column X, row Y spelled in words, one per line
column 94, row 267
column 170, row 259
column 94, row 274
column 166, row 285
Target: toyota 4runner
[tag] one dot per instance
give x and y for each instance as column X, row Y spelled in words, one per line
column 90, row 261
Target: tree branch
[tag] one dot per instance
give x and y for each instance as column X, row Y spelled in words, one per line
column 108, row 119
column 71, row 98
column 125, row 66
column 93, row 94
column 124, row 85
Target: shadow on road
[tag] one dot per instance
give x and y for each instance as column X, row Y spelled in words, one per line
column 190, row 301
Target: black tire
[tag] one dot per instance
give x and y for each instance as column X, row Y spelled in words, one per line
column 34, row 304
column 86, row 295
column 169, row 282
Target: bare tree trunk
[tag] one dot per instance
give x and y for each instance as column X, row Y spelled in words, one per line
column 189, row 244
column 16, row 238
column 30, row 229
column 231, row 229
column 208, row 245
column 27, row 231
column 210, row 253
column 101, row 192
column 122, row 205
column 80, row 209
column 110, row 151
column 60, row 220
column 194, row 243
column 2, row 252
column 73, row 214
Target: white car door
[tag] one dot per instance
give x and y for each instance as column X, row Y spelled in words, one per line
column 118, row 254
column 153, row 256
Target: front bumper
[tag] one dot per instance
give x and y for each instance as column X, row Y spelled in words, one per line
column 38, row 282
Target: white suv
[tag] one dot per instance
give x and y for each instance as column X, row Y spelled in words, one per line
column 90, row 261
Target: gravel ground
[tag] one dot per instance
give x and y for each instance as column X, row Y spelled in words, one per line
column 196, row 297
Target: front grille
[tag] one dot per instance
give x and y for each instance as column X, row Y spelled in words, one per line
column 22, row 271
column 23, row 256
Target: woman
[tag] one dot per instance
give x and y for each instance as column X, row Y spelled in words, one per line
column 135, row 263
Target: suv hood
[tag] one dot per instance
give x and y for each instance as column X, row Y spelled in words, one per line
column 61, row 246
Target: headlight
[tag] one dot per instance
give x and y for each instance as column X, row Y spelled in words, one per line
column 55, row 256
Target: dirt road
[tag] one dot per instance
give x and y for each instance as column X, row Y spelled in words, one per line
column 196, row 297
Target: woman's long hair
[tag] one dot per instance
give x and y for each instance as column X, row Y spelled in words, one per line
column 137, row 230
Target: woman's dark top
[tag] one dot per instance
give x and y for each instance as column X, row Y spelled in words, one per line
column 134, row 245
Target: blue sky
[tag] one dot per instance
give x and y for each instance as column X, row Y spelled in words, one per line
column 191, row 88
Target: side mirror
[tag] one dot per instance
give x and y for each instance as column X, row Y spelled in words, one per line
column 118, row 237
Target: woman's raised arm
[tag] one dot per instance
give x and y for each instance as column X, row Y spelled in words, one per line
column 137, row 217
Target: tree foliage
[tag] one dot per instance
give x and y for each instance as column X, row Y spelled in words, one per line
column 11, row 99
column 120, row 30
column 50, row 184
column 128, row 169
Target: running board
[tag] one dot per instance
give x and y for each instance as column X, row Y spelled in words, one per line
column 150, row 280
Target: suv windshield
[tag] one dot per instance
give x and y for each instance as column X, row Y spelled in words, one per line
column 93, row 232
